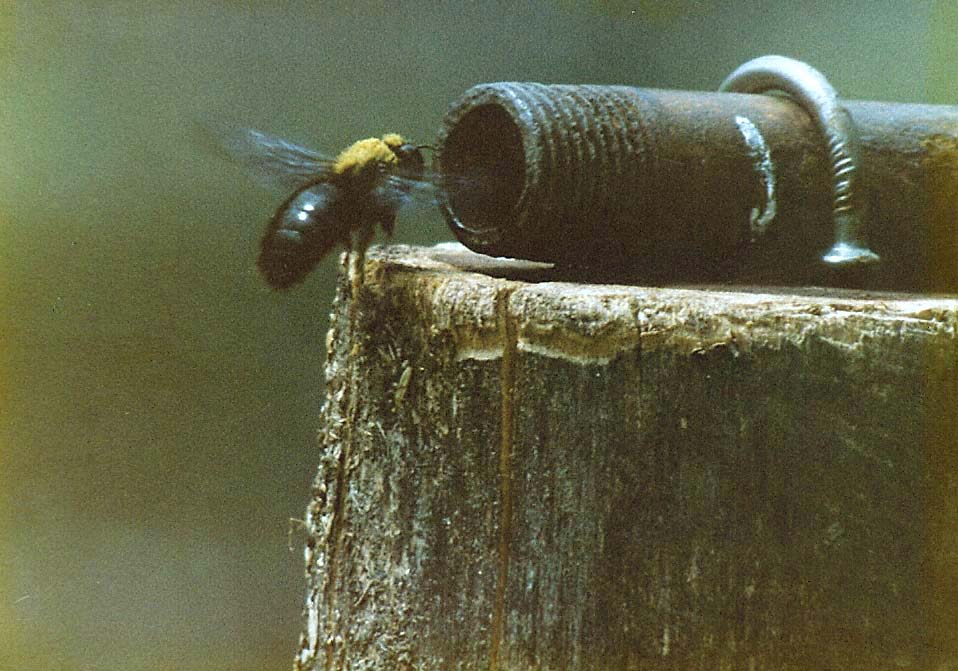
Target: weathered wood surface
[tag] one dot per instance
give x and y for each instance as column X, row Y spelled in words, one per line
column 525, row 474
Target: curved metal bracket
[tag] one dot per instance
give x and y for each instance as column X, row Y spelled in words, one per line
column 809, row 88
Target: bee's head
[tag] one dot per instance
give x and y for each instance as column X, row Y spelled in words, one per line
column 409, row 158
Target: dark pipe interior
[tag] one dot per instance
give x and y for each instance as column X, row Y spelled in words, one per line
column 482, row 166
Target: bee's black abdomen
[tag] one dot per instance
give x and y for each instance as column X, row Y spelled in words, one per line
column 304, row 229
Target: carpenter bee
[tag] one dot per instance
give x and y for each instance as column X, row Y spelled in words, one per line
column 333, row 201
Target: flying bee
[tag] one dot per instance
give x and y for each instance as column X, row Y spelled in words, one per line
column 334, row 201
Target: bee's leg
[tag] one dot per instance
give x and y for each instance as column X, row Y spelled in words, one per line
column 388, row 222
column 357, row 257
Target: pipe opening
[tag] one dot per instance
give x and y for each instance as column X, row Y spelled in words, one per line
column 482, row 169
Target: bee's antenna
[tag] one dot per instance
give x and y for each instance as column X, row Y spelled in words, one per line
column 425, row 146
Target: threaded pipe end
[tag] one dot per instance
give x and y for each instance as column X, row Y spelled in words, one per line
column 530, row 165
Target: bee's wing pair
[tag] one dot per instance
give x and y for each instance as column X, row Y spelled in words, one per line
column 273, row 162
column 281, row 165
column 403, row 191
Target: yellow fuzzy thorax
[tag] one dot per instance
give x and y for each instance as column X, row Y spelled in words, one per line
column 364, row 154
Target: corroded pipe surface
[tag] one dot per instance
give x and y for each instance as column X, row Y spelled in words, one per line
column 669, row 186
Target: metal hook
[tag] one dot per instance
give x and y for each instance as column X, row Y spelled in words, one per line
column 809, row 88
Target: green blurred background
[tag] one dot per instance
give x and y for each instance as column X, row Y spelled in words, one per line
column 157, row 403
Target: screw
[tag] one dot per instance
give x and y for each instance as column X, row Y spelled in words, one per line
column 809, row 88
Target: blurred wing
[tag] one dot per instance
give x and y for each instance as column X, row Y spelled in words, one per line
column 273, row 162
column 401, row 191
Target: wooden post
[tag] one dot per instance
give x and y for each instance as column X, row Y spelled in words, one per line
column 526, row 474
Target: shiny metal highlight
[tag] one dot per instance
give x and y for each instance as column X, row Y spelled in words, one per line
column 761, row 216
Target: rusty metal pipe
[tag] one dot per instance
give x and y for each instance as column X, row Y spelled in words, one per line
column 672, row 186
